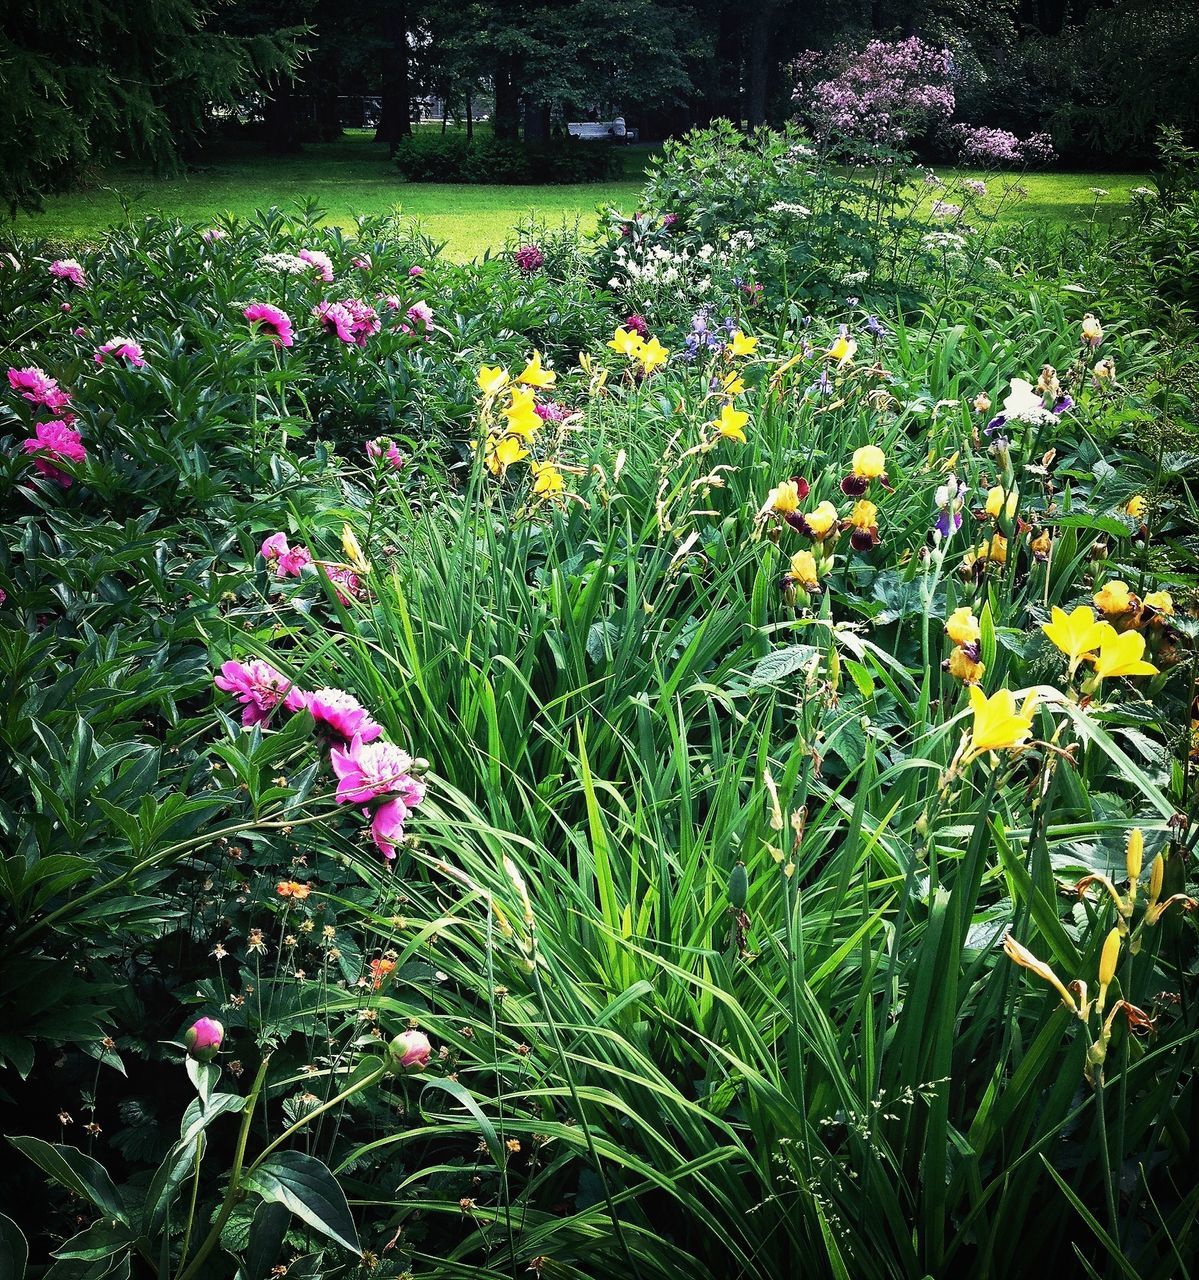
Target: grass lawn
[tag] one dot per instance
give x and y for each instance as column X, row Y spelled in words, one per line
column 353, row 176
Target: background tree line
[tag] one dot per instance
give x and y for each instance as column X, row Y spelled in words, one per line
column 82, row 83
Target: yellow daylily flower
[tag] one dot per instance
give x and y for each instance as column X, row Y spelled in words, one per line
column 1001, row 501
column 492, row 380
column 534, row 375
column 843, row 350
column 652, row 354
column 547, row 479
column 1136, row 506
column 731, row 423
column 731, row 385
column 353, row 551
column 626, row 342
column 741, row 344
column 997, row 725
column 1121, row 654
column 502, row 453
column 963, row 626
column 1075, row 634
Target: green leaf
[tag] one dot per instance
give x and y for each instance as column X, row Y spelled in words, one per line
column 75, row 1171
column 266, row 1239
column 101, row 1240
column 306, row 1187
column 14, row 1250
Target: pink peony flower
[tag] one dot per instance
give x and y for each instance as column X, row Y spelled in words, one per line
column 122, row 349
column 212, row 235
column 55, row 441
column 260, row 689
column 421, row 313
column 390, row 300
column 387, row 826
column 637, row 323
column 367, row 770
column 386, row 448
column 365, row 320
column 274, row 546
column 529, row 259
column 416, row 272
column 551, row 411
column 321, row 261
column 409, row 1051
column 334, row 318
column 362, row 262
column 345, row 582
column 36, row 387
column 271, row 321
column 68, row 269
column 203, row 1039
column 343, row 714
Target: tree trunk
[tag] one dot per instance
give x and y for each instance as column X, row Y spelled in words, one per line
column 537, row 122
column 470, row 113
column 280, row 117
column 395, row 116
column 506, row 120
column 757, row 63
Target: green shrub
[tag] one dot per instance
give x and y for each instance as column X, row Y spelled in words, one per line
column 450, row 158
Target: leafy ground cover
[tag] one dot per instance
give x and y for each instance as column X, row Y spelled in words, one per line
column 352, row 178
column 675, row 752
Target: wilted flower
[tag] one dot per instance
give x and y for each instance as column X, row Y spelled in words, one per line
column 982, row 403
column 1091, row 330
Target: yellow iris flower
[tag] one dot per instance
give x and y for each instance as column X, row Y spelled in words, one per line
column 963, row 626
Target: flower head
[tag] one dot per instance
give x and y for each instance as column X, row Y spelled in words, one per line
column 321, row 261
column 342, row 714
column 1114, row 599
column 410, row 1051
column 335, row 318
column 367, row 770
column 1075, row 634
column 731, row 423
column 741, row 344
column 260, row 689
column 529, row 259
column 271, row 321
column 997, row 726
column 384, row 448
column 203, row 1039
column 1091, row 331
column 963, row 627
column 123, row 350
column 533, row 375
column 1121, row 654
column 68, row 269
column 53, row 442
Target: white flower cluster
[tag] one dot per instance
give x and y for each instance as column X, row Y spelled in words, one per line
column 285, row 264
column 943, row 242
column 787, row 206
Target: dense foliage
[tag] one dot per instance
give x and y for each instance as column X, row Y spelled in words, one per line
column 668, row 754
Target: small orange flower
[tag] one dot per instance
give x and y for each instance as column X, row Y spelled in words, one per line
column 379, row 970
column 293, row 889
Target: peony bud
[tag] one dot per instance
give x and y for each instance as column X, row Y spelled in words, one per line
column 203, row 1039
column 409, row 1051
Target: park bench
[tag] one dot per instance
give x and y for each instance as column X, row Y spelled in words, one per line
column 599, row 131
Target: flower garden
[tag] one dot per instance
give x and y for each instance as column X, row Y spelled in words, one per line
column 674, row 752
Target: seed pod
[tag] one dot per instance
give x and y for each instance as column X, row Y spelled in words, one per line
column 738, row 886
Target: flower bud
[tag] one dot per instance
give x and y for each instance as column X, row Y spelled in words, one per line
column 1108, row 958
column 1134, row 858
column 203, row 1039
column 738, row 886
column 408, row 1052
column 1157, row 875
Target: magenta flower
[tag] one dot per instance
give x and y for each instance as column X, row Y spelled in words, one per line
column 334, row 318
column 122, row 349
column 321, row 261
column 551, row 411
column 416, row 272
column 260, row 689
column 68, row 269
column 409, row 1051
column 55, row 442
column 286, row 561
column 212, row 235
column 367, row 770
column 343, row 714
column 364, row 320
column 362, row 262
column 529, row 258
column 386, row 448
column 390, row 300
column 271, row 321
column 203, row 1039
column 387, row 826
column 421, row 313
column 637, row 324
column 36, row 387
